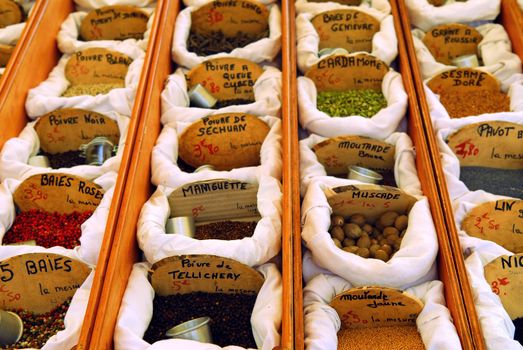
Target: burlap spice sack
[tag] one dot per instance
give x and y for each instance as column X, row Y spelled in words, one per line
column 69, row 40
column 411, row 263
column 47, row 96
column 93, row 228
column 255, row 250
column 264, row 49
column 384, row 42
column 305, row 6
column 405, row 173
column 322, row 322
column 381, row 125
column 495, row 51
column 424, row 15
column 441, row 118
column 165, row 160
column 176, row 103
column 497, row 327
column 14, row 158
column 74, row 318
column 136, row 313
column 451, row 162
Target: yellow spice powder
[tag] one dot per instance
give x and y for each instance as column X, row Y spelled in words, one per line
column 386, row 338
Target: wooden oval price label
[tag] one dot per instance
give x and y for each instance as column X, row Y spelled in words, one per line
column 493, row 144
column 97, row 66
column 231, row 17
column 118, row 22
column 38, row 282
column 57, row 192
column 10, row 13
column 226, row 78
column 499, row 221
column 344, row 72
column 437, row 3
column 352, row 30
column 204, row 273
column 505, row 276
column 215, row 200
column 367, row 307
column 338, row 153
column 225, row 141
column 5, row 54
column 67, row 129
column 448, row 41
column 369, row 200
column 463, row 79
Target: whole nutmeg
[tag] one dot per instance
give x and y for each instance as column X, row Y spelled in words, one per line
column 364, row 242
column 352, row 230
column 337, row 220
column 358, row 219
column 401, row 222
column 363, row 252
column 337, row 232
column 388, row 218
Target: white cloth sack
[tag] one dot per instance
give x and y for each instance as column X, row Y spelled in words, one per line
column 497, row 327
column 410, row 264
column 322, row 323
column 166, row 172
column 16, row 152
column 93, row 228
column 381, row 125
column 137, row 309
column 305, row 6
column 404, row 167
column 384, row 42
column 256, row 250
column 494, row 49
column 264, row 49
column 441, row 118
column 74, row 318
column 198, row 3
column 94, row 4
column 69, row 42
column 425, row 16
column 449, row 161
column 46, row 97
column 175, row 98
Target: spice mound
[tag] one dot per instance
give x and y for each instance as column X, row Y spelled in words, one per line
column 365, row 102
column 232, row 102
column 65, row 159
column 216, row 42
column 38, row 328
column 461, row 104
column 230, row 316
column 91, row 89
column 47, row 229
column 386, row 338
column 379, row 240
column 504, row 182
column 225, row 230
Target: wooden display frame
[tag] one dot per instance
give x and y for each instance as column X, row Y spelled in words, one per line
column 512, row 20
column 452, row 270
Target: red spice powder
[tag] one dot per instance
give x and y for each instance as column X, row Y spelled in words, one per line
column 47, row 229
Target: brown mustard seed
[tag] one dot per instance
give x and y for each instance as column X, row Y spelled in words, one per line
column 386, row 338
column 461, row 104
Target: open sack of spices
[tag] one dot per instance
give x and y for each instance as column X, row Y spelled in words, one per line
column 483, row 154
column 13, row 16
column 79, row 142
column 220, row 86
column 351, row 94
column 370, row 234
column 354, row 29
column 237, row 218
column 245, row 29
column 94, row 79
column 221, row 145
column 305, row 6
column 56, row 209
column 243, row 314
column 469, row 93
column 390, row 157
column 457, row 45
column 494, row 275
column 49, row 291
column 338, row 316
column 106, row 27
column 425, row 14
